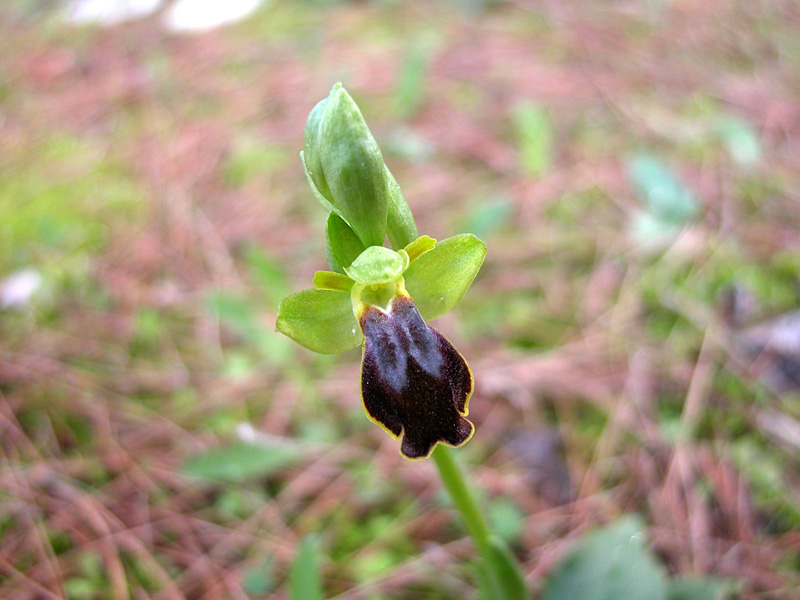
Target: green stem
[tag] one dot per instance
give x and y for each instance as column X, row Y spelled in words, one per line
column 500, row 575
column 463, row 497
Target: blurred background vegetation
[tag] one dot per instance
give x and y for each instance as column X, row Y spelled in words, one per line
column 634, row 167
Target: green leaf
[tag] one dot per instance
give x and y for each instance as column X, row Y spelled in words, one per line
column 260, row 580
column 660, row 192
column 612, row 563
column 488, row 216
column 410, row 86
column 400, row 225
column 353, row 168
column 740, row 140
column 701, row 588
column 651, row 232
column 236, row 311
column 304, row 581
column 251, row 158
column 506, row 518
column 241, row 461
column 408, row 144
column 369, row 564
column 320, row 320
column 92, row 566
column 438, row 279
column 341, row 243
column 239, row 315
column 80, row 588
column 498, row 576
column 269, row 273
column 506, row 571
column 535, row 138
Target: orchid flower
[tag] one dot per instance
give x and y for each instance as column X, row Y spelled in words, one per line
column 414, row 383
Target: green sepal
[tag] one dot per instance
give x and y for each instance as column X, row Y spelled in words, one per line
column 320, row 320
column 335, row 282
column 438, row 279
column 400, row 225
column 352, row 168
column 342, row 245
column 311, row 155
column 317, row 194
column 419, row 246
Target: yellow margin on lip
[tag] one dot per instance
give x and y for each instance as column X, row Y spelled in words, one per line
column 402, row 430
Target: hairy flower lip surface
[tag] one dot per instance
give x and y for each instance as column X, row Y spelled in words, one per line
column 414, row 383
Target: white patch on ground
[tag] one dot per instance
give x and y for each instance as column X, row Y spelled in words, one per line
column 109, row 12
column 198, row 15
column 17, row 289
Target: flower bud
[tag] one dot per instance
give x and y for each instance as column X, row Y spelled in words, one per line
column 345, row 167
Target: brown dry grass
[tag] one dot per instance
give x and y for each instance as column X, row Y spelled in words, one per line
column 95, row 422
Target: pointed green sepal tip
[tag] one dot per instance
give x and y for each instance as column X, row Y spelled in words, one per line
column 320, row 320
column 439, row 278
column 378, row 266
column 413, row 382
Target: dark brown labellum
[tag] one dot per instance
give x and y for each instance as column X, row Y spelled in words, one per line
column 413, row 382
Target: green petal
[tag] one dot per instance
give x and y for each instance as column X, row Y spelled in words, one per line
column 336, row 282
column 378, row 265
column 341, row 243
column 438, row 279
column 419, row 246
column 320, row 320
column 353, row 168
